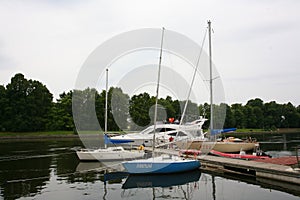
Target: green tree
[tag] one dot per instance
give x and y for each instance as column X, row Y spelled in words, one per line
column 168, row 105
column 290, row 116
column 29, row 104
column 239, row 116
column 177, row 108
column 272, row 115
column 192, row 111
column 254, row 112
column 118, row 109
column 61, row 117
column 230, row 119
column 257, row 102
column 139, row 107
column 83, row 109
column 3, row 108
column 100, row 108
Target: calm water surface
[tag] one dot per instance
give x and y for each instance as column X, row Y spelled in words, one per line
column 49, row 169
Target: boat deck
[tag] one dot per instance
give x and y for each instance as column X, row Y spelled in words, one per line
column 275, row 171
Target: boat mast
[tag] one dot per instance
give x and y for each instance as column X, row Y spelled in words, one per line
column 157, row 89
column 210, row 79
column 106, row 99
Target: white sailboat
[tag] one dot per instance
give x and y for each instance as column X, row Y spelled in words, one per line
column 108, row 153
column 202, row 143
column 159, row 164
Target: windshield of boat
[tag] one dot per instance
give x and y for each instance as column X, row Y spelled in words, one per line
column 180, row 133
column 149, row 130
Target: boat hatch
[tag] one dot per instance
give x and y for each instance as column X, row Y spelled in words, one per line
column 117, row 149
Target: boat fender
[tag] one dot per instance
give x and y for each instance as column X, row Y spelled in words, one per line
column 141, row 147
column 195, row 155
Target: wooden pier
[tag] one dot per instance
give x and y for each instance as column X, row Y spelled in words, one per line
column 258, row 169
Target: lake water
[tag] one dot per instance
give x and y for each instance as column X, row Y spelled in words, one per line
column 49, row 169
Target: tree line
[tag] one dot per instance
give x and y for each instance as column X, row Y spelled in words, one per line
column 27, row 105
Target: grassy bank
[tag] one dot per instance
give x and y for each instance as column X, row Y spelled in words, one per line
column 49, row 134
column 36, row 134
column 258, row 131
column 260, row 134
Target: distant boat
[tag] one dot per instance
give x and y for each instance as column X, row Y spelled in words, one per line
column 109, row 153
column 161, row 180
column 161, row 164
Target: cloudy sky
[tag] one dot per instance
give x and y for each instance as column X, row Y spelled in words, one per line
column 255, row 43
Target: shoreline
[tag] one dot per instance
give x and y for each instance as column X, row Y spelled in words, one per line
column 71, row 135
column 256, row 132
column 41, row 137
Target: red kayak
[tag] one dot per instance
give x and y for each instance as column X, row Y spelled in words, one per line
column 238, row 156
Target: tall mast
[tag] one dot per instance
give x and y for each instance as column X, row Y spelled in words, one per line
column 210, row 79
column 157, row 89
column 106, row 99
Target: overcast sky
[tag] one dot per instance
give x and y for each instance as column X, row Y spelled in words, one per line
column 255, row 43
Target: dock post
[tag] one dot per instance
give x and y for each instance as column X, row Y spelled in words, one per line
column 297, row 148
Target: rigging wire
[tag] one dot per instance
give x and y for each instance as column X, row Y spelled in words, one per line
column 193, row 79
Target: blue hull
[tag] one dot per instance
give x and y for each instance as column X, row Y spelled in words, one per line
column 160, row 167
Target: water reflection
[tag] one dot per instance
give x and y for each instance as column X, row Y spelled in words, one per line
column 49, row 169
column 22, row 172
column 173, row 186
column 161, row 180
column 278, row 145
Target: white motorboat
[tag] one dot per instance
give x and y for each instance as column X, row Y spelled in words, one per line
column 164, row 133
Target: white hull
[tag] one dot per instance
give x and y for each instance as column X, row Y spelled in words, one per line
column 163, row 133
column 111, row 153
column 228, row 147
column 225, row 147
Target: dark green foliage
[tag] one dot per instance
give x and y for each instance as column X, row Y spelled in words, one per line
column 3, row 108
column 118, row 109
column 26, row 105
column 139, row 109
column 60, row 116
column 29, row 104
column 256, row 114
